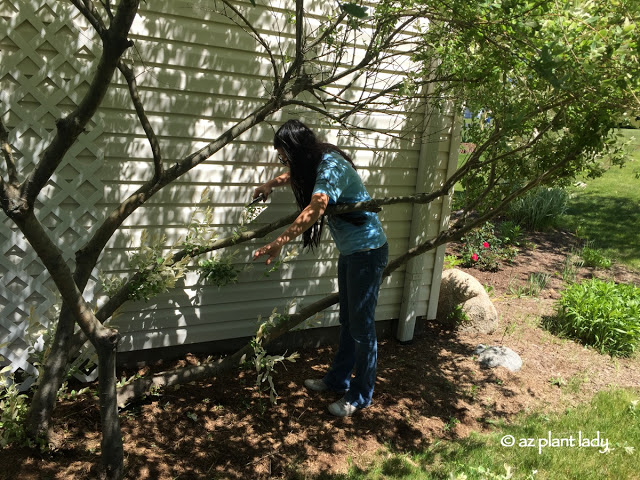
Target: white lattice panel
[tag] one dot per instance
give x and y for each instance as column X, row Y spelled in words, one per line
column 45, row 60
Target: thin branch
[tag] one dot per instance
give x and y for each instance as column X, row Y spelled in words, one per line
column 8, row 155
column 127, row 72
column 107, row 8
column 90, row 13
column 299, row 32
column 201, row 155
column 327, row 31
column 259, row 38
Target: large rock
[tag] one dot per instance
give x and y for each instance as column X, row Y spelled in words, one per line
column 498, row 356
column 460, row 288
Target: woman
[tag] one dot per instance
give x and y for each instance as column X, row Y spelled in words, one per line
column 321, row 174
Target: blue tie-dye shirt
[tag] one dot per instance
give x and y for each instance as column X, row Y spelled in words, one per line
column 341, row 183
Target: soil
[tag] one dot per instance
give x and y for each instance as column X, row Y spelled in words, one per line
column 430, row 390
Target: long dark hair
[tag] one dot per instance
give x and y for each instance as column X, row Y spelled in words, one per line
column 304, row 153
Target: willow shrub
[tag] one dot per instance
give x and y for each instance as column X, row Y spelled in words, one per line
column 604, row 315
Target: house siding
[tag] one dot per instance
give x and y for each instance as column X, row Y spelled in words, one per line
column 198, row 74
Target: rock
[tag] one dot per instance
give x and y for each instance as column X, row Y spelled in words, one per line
column 460, row 288
column 498, row 357
column 479, row 349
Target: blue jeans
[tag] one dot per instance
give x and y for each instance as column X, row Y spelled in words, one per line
column 359, row 277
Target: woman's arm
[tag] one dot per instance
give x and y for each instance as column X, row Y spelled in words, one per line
column 267, row 188
column 305, row 220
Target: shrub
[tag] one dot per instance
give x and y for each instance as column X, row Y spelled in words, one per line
column 510, row 233
column 13, row 410
column 540, row 209
column 601, row 314
column 482, row 249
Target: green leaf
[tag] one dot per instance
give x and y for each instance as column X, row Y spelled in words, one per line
column 354, row 10
column 253, row 2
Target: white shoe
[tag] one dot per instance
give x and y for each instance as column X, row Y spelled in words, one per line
column 316, row 385
column 342, row 408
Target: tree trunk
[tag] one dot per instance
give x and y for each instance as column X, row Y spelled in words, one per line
column 112, row 448
column 44, row 399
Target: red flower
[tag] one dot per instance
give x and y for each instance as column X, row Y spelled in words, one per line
column 485, row 244
column 474, row 257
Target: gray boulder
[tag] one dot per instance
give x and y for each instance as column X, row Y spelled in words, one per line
column 458, row 288
column 498, row 357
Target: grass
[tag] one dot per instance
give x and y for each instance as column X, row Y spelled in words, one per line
column 607, row 210
column 547, row 447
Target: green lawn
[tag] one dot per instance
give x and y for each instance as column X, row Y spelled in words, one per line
column 607, row 210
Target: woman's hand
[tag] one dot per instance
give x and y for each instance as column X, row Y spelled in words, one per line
column 264, row 190
column 272, row 249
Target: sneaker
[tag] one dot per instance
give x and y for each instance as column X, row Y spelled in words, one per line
column 342, row 408
column 316, row 385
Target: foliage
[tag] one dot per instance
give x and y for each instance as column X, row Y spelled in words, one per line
column 481, row 248
column 570, row 267
column 288, row 257
column 594, row 257
column 539, row 209
column 13, row 409
column 601, row 314
column 158, row 273
column 525, row 65
column 458, row 316
column 200, row 233
column 451, row 261
column 219, row 270
column 264, row 363
column 537, row 282
column 510, row 233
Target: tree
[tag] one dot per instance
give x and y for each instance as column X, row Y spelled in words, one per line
column 551, row 79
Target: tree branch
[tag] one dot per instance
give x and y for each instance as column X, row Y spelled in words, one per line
column 60, row 272
column 107, row 8
column 327, row 31
column 69, row 128
column 299, row 32
column 127, row 73
column 259, row 38
column 90, row 13
column 8, row 155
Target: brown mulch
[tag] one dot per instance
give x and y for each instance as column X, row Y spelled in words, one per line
column 429, row 390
